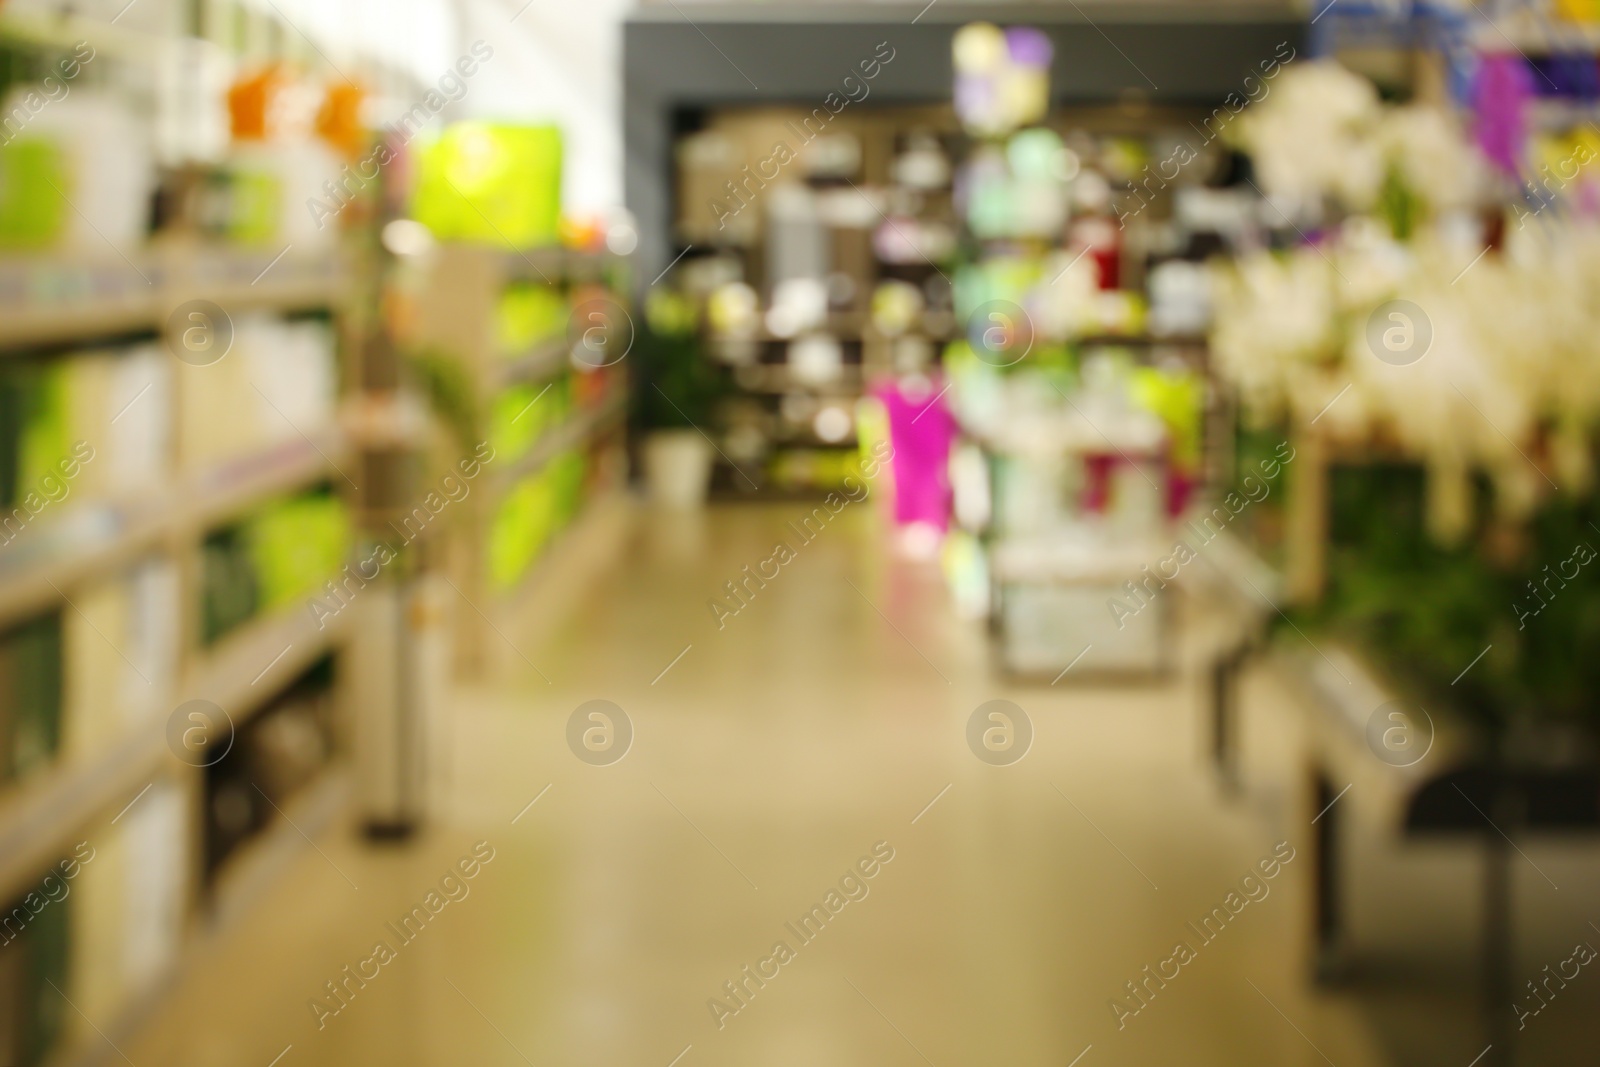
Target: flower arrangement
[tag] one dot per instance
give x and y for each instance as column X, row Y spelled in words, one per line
column 1441, row 324
column 1396, row 327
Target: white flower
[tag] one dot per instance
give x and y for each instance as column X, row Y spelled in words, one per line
column 1430, row 154
column 1311, row 137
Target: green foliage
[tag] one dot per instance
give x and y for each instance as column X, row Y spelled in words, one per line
column 679, row 386
column 444, row 381
column 1255, row 454
column 1424, row 612
column 1399, row 205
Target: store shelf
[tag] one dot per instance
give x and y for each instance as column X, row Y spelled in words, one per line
column 51, row 300
column 1067, row 560
column 842, row 326
column 41, row 813
column 1140, row 340
column 224, row 491
column 557, row 264
column 593, row 536
column 1244, row 579
column 543, row 360
column 58, row 298
column 459, row 306
column 1533, row 36
column 852, row 329
column 573, row 432
column 259, row 866
column 58, row 552
column 806, row 439
column 256, row 279
column 49, row 558
column 1342, row 692
column 1339, row 687
column 239, row 674
column 1075, row 435
column 248, row 667
column 779, row 378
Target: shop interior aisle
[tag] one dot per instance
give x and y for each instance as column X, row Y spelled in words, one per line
column 770, row 758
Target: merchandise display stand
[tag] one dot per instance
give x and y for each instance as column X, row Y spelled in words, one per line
column 206, row 656
column 1254, row 592
column 1456, row 790
column 1407, row 551
column 1078, row 378
column 550, row 419
column 123, row 786
column 1049, row 589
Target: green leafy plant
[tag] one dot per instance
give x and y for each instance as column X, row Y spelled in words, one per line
column 1424, row 612
column 678, row 385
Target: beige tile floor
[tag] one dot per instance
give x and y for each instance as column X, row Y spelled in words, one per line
column 774, row 753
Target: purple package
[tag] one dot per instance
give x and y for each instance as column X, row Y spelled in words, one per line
column 1029, row 47
column 1500, row 95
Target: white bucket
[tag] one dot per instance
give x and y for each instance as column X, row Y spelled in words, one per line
column 677, row 467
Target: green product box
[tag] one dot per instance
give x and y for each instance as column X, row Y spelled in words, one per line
column 30, row 696
column 298, row 545
column 527, row 314
column 492, row 183
column 33, row 187
column 255, row 206
column 517, row 417
column 33, row 427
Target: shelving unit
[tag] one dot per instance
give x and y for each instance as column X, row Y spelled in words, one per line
column 457, row 311
column 120, row 776
column 97, row 537
column 576, row 432
column 1380, row 816
column 245, row 669
column 213, row 536
column 54, row 299
column 839, row 209
column 1365, row 841
column 543, row 361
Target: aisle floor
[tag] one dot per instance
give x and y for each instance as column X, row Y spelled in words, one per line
column 770, row 756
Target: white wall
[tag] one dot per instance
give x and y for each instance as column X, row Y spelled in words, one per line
column 558, row 61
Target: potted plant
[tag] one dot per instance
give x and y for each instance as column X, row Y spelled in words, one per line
column 678, row 391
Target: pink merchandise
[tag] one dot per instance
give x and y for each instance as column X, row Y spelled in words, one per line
column 921, row 431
